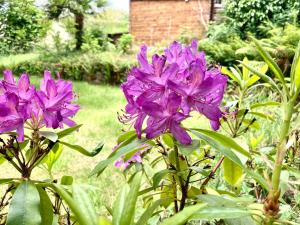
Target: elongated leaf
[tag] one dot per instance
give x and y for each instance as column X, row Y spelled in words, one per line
column 131, row 199
column 127, row 135
column 168, row 140
column 262, row 115
column 241, row 221
column 189, row 149
column 224, row 140
column 265, row 77
column 52, row 156
column 232, row 172
column 219, row 147
column 271, row 63
column 183, row 216
column 104, row 221
column 6, row 180
column 119, row 205
column 85, row 204
column 148, row 213
column 159, row 176
column 264, row 104
column 122, row 150
column 83, row 151
column 49, row 135
column 220, row 212
column 258, row 178
column 24, row 208
column 68, row 131
column 81, row 217
column 295, row 71
column 46, row 208
column 234, row 76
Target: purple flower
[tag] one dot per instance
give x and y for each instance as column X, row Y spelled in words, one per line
column 10, row 117
column 55, row 99
column 165, row 91
column 21, row 103
column 135, row 158
column 165, row 117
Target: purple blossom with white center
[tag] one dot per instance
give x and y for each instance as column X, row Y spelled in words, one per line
column 21, row 105
column 165, row 91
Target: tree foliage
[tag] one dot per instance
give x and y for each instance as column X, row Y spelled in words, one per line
column 21, row 25
column 77, row 8
column 247, row 15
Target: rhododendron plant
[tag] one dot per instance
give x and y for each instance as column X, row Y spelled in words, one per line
column 29, row 118
column 196, row 174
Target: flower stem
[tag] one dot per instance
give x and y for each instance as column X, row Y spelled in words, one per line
column 181, row 180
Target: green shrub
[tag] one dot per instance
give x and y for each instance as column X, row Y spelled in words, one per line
column 247, row 15
column 105, row 67
column 22, row 25
column 125, row 42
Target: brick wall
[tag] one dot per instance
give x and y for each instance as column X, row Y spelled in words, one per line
column 152, row 21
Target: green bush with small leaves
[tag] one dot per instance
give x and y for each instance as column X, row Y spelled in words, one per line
column 22, row 25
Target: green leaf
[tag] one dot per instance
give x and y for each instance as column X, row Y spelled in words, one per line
column 220, row 212
column 168, row 140
column 82, row 218
column 85, row 204
column 167, row 195
column 127, row 135
column 104, row 221
column 224, row 150
column 83, row 151
column 264, row 104
column 66, row 180
column 121, row 150
column 271, row 63
column 224, row 140
column 295, row 71
column 258, row 178
column 265, row 77
column 148, row 213
column 46, row 208
column 6, row 180
column 52, row 156
column 183, row 216
column 240, row 221
column 188, row 149
column 159, row 176
column 232, row 172
column 68, row 131
column 24, row 208
column 262, row 115
column 252, row 80
column 49, row 135
column 131, row 199
column 119, row 205
column 234, row 76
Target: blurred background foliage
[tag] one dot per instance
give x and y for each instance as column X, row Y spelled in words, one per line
column 62, row 34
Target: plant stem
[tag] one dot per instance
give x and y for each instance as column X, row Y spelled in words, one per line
column 181, row 180
column 212, row 173
column 271, row 203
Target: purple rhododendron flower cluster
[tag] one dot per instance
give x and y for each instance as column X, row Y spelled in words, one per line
column 22, row 105
column 165, row 91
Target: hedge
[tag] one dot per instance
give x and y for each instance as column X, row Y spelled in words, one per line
column 102, row 67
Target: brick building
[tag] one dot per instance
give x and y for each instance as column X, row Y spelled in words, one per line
column 152, row 21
